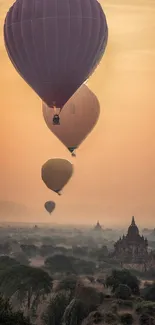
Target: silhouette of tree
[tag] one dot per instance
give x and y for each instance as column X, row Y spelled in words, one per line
column 21, row 258
column 126, row 319
column 30, row 250
column 123, row 292
column 69, row 283
column 149, row 292
column 8, row 317
column 29, row 285
column 7, row 262
column 118, row 277
column 75, row 312
column 60, row 263
column 56, row 308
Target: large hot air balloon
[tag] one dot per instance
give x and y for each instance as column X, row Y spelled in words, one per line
column 55, row 45
column 56, row 173
column 49, row 206
column 78, row 118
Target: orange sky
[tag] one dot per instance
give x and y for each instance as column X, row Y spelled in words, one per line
column 115, row 167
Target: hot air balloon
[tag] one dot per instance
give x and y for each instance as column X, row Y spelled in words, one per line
column 49, row 206
column 56, row 173
column 79, row 116
column 55, row 45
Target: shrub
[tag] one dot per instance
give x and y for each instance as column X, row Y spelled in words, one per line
column 94, row 317
column 126, row 319
column 139, row 299
column 110, row 318
column 123, row 292
column 146, row 307
column 146, row 319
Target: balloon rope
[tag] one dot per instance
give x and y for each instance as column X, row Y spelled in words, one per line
column 60, row 110
column 55, row 109
column 73, row 154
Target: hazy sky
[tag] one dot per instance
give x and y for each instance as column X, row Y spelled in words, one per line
column 115, row 167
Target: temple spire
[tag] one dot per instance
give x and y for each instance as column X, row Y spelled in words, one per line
column 133, row 221
column 98, row 226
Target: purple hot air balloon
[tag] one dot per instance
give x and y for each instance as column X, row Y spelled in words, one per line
column 55, row 45
column 49, row 206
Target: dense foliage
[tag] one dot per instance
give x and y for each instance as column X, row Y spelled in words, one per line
column 8, row 317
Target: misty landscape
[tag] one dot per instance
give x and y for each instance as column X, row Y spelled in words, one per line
column 56, row 275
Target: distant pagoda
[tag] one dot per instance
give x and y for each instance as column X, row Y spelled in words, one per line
column 98, row 227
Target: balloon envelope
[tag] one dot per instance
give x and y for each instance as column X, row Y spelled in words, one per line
column 56, row 173
column 77, row 119
column 55, row 45
column 49, row 206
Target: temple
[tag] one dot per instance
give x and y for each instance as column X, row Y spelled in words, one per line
column 98, row 227
column 132, row 248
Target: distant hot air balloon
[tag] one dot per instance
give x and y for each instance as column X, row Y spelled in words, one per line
column 49, row 206
column 56, row 173
column 79, row 116
column 55, row 45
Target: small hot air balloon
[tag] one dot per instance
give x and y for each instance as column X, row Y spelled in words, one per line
column 79, row 116
column 56, row 173
column 55, row 45
column 49, row 206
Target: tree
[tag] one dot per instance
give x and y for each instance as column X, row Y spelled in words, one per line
column 89, row 295
column 110, row 318
column 56, row 308
column 149, row 292
column 123, row 277
column 146, row 307
column 146, row 319
column 101, row 253
column 7, row 262
column 69, row 283
column 75, row 312
column 29, row 250
column 30, row 285
column 5, row 248
column 46, row 250
column 80, row 251
column 123, row 292
column 8, row 317
column 126, row 319
column 21, row 258
column 84, row 267
column 60, row 263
